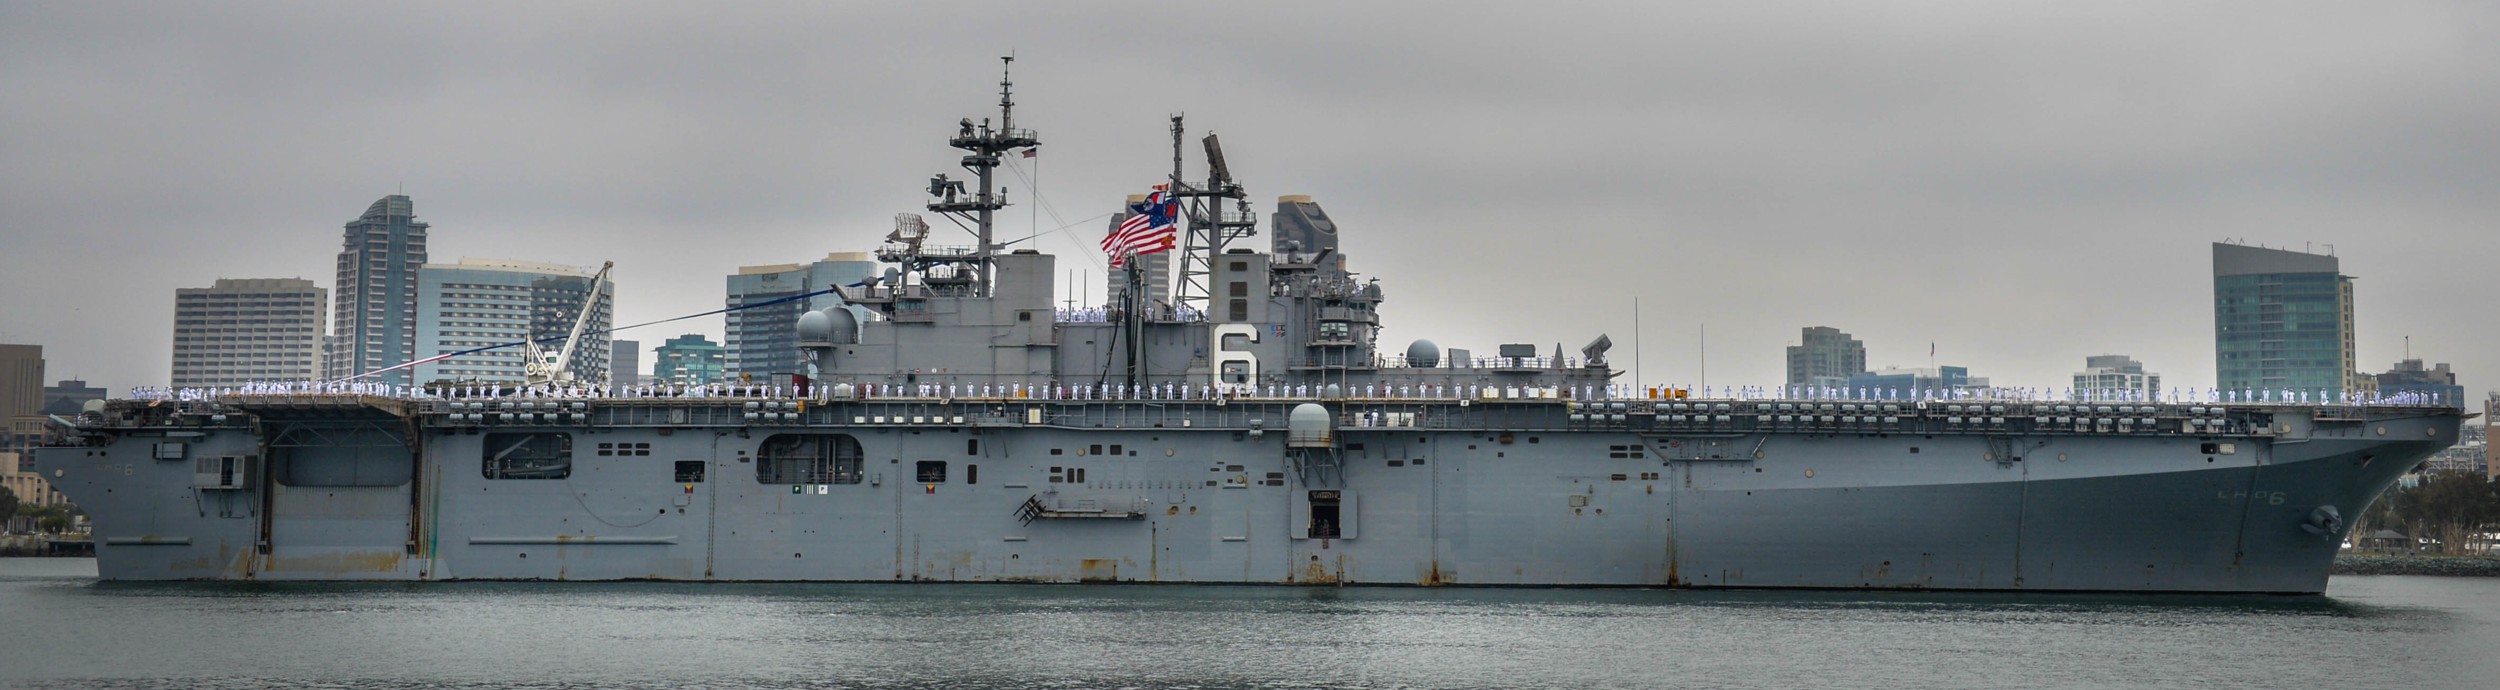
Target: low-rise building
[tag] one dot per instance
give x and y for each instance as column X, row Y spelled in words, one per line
column 2428, row 384
column 69, row 397
column 31, row 489
column 687, row 360
column 2115, row 377
column 1898, row 382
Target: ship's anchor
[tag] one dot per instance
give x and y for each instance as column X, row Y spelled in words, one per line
column 2324, row 521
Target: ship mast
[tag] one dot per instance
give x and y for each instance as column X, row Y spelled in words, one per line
column 983, row 145
column 1210, row 226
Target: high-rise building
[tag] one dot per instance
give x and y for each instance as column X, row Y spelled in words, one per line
column 2118, row 375
column 252, row 329
column 21, row 396
column 2283, row 321
column 625, row 362
column 2491, row 428
column 69, row 397
column 687, row 360
column 2429, row 384
column 21, row 380
column 376, row 312
column 487, row 302
column 763, row 341
column 1825, row 358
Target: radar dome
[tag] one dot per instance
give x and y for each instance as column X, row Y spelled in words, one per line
column 845, row 325
column 828, row 327
column 1309, row 426
column 815, row 329
column 1423, row 355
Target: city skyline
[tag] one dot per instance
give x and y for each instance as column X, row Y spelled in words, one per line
column 1963, row 204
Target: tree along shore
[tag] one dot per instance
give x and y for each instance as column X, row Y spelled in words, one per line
column 2451, row 566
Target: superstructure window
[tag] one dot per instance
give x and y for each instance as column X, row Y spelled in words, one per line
column 529, row 456
column 808, row 459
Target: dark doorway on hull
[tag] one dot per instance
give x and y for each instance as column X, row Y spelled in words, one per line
column 1324, row 515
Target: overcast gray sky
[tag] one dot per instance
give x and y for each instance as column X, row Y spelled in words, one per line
column 2021, row 184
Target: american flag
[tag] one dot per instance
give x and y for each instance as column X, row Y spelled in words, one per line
column 1151, row 227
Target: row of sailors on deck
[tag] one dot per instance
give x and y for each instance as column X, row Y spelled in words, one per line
column 2175, row 395
column 1156, row 312
column 1177, row 391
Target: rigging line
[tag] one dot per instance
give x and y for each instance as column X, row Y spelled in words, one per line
column 1031, row 185
column 1043, row 202
column 960, row 224
column 1056, row 217
column 605, row 331
column 1063, row 229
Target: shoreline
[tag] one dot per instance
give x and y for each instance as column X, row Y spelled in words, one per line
column 2437, row 566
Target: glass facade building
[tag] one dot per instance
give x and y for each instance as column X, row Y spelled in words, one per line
column 763, row 341
column 624, row 362
column 1826, row 358
column 687, row 360
column 375, row 315
column 481, row 302
column 2282, row 321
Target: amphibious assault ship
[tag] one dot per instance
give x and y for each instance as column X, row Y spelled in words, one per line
column 1251, row 431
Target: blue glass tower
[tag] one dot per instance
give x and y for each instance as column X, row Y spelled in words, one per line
column 2282, row 321
column 763, row 341
column 374, row 320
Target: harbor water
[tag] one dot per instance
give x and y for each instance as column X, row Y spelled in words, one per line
column 60, row 627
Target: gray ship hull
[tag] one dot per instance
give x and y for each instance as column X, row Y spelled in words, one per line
column 1201, row 493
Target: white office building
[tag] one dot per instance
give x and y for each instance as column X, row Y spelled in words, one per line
column 245, row 330
column 482, row 303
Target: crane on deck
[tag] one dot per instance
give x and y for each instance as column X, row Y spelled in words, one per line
column 538, row 369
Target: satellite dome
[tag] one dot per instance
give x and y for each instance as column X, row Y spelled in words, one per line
column 1423, row 354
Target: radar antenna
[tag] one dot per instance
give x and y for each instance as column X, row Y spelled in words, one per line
column 1210, row 226
column 984, row 146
